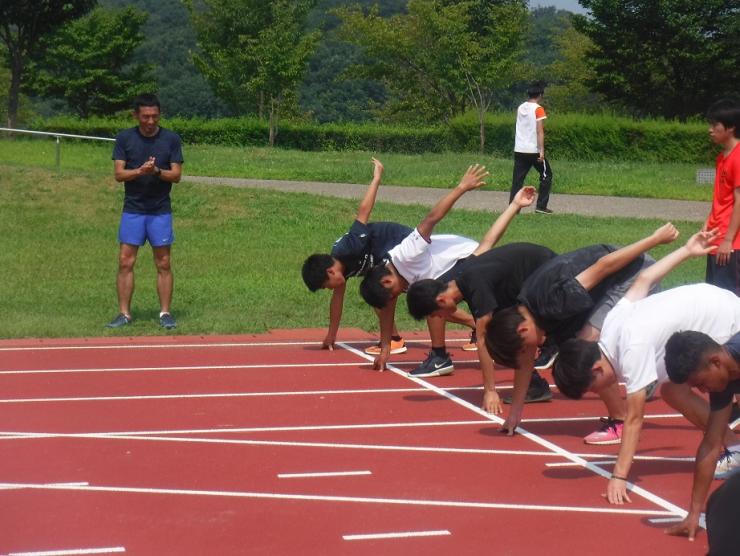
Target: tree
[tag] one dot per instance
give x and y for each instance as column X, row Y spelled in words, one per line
column 441, row 57
column 86, row 63
column 668, row 58
column 253, row 53
column 22, row 24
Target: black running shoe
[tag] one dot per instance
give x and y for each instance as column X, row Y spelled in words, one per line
column 548, row 354
column 119, row 321
column 433, row 365
column 538, row 391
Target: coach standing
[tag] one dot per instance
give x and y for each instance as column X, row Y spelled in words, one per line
column 148, row 160
column 529, row 147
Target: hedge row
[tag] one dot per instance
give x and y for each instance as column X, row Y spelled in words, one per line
column 568, row 136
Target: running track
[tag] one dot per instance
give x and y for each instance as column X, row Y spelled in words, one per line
column 269, row 445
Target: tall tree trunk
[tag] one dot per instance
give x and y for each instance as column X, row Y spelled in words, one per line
column 272, row 123
column 482, row 129
column 16, row 71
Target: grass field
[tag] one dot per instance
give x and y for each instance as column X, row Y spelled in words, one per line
column 626, row 179
column 236, row 260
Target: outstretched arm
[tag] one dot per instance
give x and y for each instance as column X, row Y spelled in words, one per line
column 616, row 490
column 491, row 400
column 368, row 201
column 706, row 462
column 615, row 261
column 524, row 198
column 697, row 245
column 473, row 179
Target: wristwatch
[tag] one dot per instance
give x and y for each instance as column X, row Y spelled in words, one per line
column 157, row 171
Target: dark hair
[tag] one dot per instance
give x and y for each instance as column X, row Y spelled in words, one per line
column 146, row 99
column 422, row 297
column 372, row 291
column 502, row 338
column 536, row 89
column 726, row 112
column 685, row 353
column 572, row 369
column 314, row 270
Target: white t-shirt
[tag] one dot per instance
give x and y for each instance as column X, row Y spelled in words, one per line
column 635, row 333
column 527, row 116
column 416, row 259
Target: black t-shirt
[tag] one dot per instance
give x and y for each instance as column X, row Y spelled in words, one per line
column 147, row 194
column 720, row 400
column 494, row 279
column 559, row 304
column 365, row 245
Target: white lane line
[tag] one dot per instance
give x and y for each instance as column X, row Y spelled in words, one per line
column 72, row 551
column 403, row 535
column 636, row 458
column 702, row 520
column 353, row 499
column 48, row 484
column 571, row 464
column 219, row 395
column 323, row 474
column 198, row 368
column 569, row 419
column 202, row 345
column 557, row 450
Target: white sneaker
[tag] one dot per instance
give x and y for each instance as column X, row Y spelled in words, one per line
column 728, row 463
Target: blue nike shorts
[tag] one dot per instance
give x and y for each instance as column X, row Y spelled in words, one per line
column 136, row 229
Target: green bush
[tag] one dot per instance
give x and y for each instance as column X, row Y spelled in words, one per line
column 568, row 136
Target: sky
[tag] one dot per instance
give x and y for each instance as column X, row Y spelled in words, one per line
column 571, row 5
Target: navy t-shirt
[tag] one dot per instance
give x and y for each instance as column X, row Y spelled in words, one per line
column 559, row 304
column 147, row 194
column 720, row 400
column 494, row 279
column 365, row 245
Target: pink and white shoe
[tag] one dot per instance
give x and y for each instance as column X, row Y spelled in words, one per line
column 610, row 432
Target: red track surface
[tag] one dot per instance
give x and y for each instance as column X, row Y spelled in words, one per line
column 176, row 445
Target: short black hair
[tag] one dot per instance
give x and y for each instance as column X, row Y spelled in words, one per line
column 314, row 270
column 146, row 99
column 572, row 369
column 686, row 352
column 536, row 89
column 726, row 111
column 372, row 291
column 422, row 297
column 502, row 337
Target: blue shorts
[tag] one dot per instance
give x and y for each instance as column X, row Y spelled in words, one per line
column 136, row 229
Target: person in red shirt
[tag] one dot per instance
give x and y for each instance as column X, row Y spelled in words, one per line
column 723, row 267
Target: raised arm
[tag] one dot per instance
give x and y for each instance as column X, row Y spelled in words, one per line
column 473, row 179
column 368, row 201
column 697, row 245
column 524, row 198
column 615, row 261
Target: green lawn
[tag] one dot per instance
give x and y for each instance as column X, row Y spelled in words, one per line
column 626, row 179
column 236, row 260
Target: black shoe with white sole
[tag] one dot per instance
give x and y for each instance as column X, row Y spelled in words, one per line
column 434, row 365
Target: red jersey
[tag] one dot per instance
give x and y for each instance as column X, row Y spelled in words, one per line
column 726, row 180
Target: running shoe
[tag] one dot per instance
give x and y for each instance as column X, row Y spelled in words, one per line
column 119, row 321
column 543, row 210
column 546, row 358
column 433, row 365
column 167, row 321
column 538, row 391
column 471, row 345
column 397, row 346
column 728, row 463
column 610, row 432
column 734, row 417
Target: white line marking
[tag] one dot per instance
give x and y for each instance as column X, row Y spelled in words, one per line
column 218, row 395
column 323, row 474
column 568, row 419
column 72, row 551
column 54, row 484
column 571, row 464
column 200, row 368
column 702, row 520
column 395, row 535
column 533, row 437
column 353, row 499
column 204, row 345
column 636, row 458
